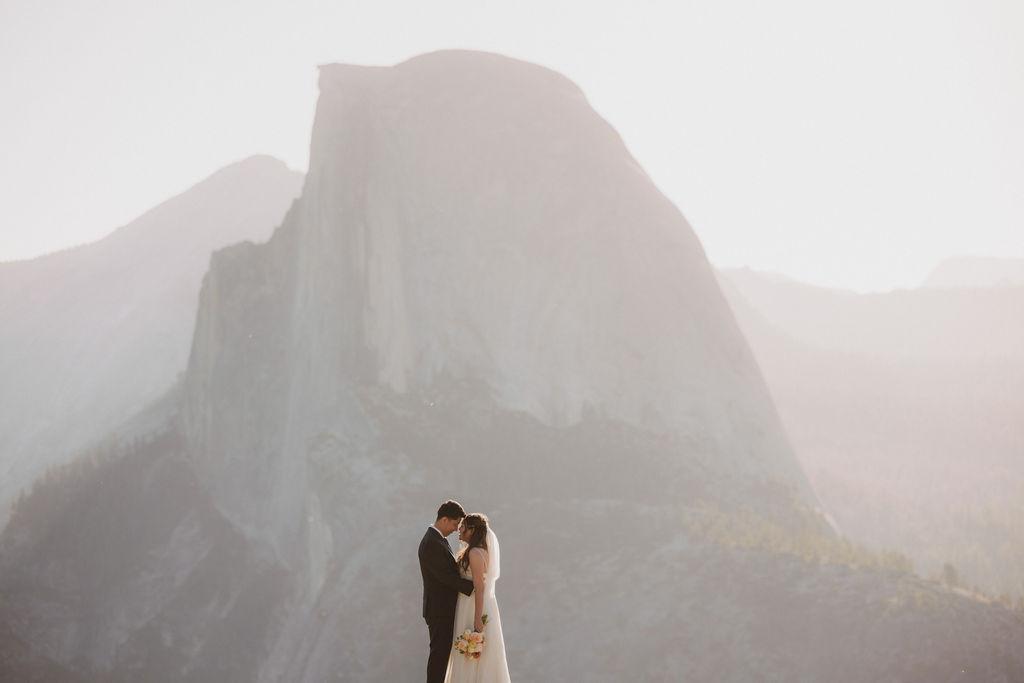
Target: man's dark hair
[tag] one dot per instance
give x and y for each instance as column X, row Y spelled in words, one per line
column 451, row 510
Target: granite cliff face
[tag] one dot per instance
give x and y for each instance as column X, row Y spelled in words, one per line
column 469, row 218
column 479, row 294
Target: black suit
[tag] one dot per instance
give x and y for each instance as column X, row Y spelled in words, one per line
column 441, row 587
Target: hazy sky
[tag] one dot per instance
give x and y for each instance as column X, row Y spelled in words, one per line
column 851, row 144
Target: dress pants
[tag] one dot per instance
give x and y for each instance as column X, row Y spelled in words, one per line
column 442, row 635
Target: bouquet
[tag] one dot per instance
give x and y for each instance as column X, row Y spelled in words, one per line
column 471, row 643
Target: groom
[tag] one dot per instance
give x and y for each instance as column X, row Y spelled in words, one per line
column 441, row 587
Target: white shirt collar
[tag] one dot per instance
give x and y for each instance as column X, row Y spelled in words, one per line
column 438, row 531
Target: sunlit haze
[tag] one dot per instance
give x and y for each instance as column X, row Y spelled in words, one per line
column 854, row 145
column 333, row 278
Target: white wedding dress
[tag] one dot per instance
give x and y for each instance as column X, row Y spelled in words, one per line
column 491, row 667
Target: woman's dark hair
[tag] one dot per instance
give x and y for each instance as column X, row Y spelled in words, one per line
column 476, row 524
column 451, row 510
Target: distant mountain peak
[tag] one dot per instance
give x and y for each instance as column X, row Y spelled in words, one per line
column 129, row 299
column 976, row 271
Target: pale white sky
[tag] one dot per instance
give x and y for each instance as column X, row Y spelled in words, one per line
column 851, row 144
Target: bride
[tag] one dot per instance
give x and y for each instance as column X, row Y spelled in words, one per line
column 479, row 561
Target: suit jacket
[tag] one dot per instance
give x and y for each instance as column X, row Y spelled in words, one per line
column 441, row 580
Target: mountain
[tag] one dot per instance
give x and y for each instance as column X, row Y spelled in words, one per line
column 93, row 333
column 976, row 272
column 481, row 295
column 905, row 410
column 438, row 246
column 903, row 325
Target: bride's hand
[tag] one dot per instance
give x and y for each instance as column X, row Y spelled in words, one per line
column 478, row 625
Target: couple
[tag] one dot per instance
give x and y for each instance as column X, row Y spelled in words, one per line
column 458, row 592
